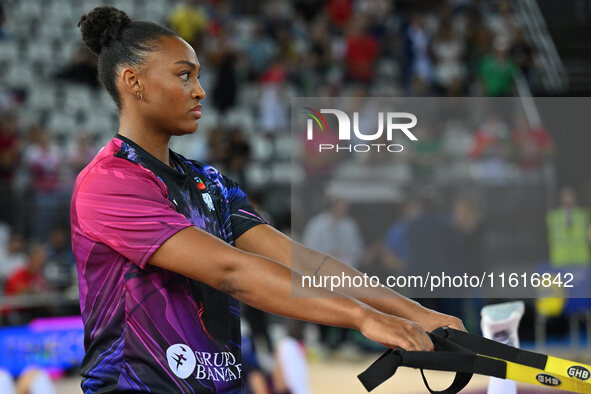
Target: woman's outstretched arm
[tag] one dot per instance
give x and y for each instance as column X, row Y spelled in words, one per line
column 266, row 284
column 267, row 241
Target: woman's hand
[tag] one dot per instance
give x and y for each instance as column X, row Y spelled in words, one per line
column 392, row 331
column 431, row 320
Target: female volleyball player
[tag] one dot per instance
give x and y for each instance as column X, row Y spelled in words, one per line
column 166, row 246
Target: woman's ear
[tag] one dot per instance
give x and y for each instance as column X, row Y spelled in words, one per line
column 131, row 84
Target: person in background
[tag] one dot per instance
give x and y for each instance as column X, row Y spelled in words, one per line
column 240, row 156
column 60, row 267
column 532, row 145
column 190, row 20
column 26, row 280
column 568, row 232
column 3, row 32
column 29, row 279
column 31, row 381
column 10, row 151
column 497, row 71
column 79, row 153
column 13, row 257
column 81, row 69
column 522, row 54
column 254, row 376
column 43, row 161
column 336, row 233
column 361, row 52
column 395, row 246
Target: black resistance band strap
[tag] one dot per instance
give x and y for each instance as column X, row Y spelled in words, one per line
column 466, row 354
column 492, row 348
column 447, row 356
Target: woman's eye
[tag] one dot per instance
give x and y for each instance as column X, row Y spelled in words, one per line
column 185, row 75
column 198, row 75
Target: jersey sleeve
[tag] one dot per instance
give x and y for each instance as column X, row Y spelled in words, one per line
column 243, row 216
column 126, row 208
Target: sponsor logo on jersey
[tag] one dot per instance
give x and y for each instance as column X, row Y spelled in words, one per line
column 181, row 360
column 208, row 201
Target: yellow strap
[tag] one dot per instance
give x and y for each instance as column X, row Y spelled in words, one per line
column 568, row 368
column 556, row 375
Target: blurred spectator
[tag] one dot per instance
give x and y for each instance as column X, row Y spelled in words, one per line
column 467, row 237
column 491, row 148
column 240, row 156
column 308, row 9
column 340, row 12
column 43, row 161
column 82, row 68
column 497, row 71
column 12, row 256
column 9, row 159
column 448, row 56
column 336, row 233
column 218, row 149
column 427, row 152
column 568, row 232
column 254, row 377
column 532, row 145
column 320, row 52
column 522, row 54
column 3, row 32
column 418, row 41
column 291, row 373
column 272, row 105
column 225, row 86
column 31, row 381
column 478, row 41
column 259, row 50
column 189, row 20
column 361, row 52
column 29, row 279
column 427, row 239
column 60, row 260
column 395, row 248
column 80, row 152
column 503, row 23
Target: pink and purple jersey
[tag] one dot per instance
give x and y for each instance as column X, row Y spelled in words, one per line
column 148, row 329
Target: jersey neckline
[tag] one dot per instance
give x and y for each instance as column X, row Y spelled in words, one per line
column 153, row 161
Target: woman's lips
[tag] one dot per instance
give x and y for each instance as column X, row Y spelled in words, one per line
column 197, row 111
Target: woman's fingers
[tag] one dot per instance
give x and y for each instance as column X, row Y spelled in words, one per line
column 395, row 332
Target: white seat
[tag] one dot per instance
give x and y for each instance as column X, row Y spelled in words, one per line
column 19, row 75
column 257, row 175
column 281, row 172
column 77, row 97
column 43, row 97
column 8, row 49
column 283, row 146
column 62, row 123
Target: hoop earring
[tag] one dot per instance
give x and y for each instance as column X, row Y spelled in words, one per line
column 139, row 96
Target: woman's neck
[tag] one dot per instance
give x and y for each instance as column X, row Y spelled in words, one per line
column 153, row 142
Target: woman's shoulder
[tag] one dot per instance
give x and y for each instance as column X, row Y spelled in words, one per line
column 114, row 166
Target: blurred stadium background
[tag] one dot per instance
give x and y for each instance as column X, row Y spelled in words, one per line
column 256, row 56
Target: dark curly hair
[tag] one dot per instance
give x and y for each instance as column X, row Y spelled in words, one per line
column 118, row 41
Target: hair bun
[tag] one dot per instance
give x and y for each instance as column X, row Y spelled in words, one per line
column 102, row 25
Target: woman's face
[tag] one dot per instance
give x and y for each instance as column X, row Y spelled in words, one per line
column 170, row 87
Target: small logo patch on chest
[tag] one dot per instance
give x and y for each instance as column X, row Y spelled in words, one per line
column 208, row 201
